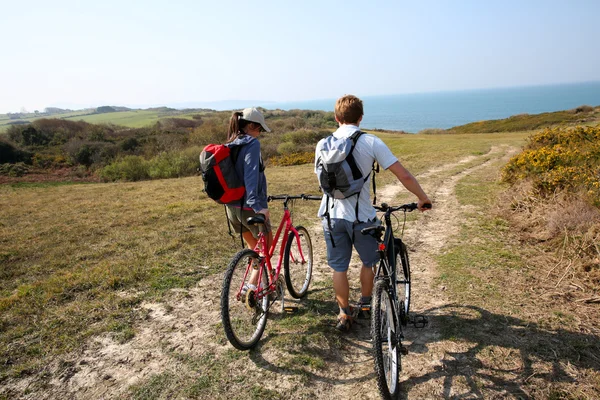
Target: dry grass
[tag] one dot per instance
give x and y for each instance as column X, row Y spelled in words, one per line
column 525, row 293
column 567, row 229
column 78, row 260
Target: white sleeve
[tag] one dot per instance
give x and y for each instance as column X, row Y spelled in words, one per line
column 384, row 156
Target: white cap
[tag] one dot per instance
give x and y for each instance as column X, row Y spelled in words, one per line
column 253, row 115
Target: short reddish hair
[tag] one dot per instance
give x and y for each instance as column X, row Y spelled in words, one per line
column 348, row 109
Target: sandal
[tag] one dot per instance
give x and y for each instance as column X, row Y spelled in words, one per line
column 344, row 323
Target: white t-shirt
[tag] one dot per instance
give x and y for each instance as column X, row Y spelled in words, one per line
column 368, row 148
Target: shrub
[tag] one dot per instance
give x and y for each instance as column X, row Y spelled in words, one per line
column 287, row 148
column 48, row 161
column 88, row 153
column 32, row 137
column 211, row 131
column 560, row 159
column 11, row 154
column 14, row 170
column 584, row 108
column 293, row 159
column 129, row 168
column 176, row 123
column 304, row 136
column 172, row 165
column 129, row 144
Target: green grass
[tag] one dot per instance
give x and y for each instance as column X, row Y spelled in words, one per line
column 133, row 119
column 476, row 271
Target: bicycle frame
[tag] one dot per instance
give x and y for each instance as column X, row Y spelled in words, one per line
column 285, row 227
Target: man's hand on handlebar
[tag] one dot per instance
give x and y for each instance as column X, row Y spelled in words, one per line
column 424, row 205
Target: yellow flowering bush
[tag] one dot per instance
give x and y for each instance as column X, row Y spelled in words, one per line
column 293, row 159
column 560, row 159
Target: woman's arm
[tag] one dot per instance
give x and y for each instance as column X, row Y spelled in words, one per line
column 252, row 177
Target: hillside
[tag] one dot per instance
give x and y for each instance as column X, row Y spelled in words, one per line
column 583, row 115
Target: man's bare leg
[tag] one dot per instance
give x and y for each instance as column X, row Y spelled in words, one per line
column 341, row 288
column 366, row 281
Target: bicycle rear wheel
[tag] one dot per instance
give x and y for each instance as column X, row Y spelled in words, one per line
column 244, row 317
column 402, row 279
column 298, row 266
column 386, row 344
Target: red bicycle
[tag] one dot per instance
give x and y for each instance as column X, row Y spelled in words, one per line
column 251, row 285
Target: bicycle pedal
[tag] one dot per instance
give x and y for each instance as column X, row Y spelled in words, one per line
column 420, row 321
column 290, row 309
column 404, row 350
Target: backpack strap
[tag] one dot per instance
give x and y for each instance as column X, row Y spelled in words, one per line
column 327, row 215
column 375, row 170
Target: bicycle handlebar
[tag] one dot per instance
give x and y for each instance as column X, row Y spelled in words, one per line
column 310, row 197
column 408, row 207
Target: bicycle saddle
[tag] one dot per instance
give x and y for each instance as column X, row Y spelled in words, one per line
column 257, row 219
column 373, row 230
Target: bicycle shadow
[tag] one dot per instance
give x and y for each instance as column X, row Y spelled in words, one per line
column 335, row 340
column 484, row 331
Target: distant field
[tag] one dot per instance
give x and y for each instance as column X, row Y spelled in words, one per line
column 132, row 119
column 5, row 121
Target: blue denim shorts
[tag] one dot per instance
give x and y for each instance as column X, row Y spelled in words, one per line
column 338, row 257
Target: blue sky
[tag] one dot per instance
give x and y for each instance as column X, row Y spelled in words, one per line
column 144, row 53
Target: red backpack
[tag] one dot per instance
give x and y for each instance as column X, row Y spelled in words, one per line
column 221, row 182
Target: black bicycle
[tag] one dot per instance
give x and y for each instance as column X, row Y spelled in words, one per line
column 390, row 304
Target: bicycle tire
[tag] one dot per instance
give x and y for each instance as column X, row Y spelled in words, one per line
column 297, row 278
column 404, row 283
column 241, row 331
column 385, row 345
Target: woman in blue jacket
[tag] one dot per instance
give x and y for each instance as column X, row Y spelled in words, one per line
column 244, row 128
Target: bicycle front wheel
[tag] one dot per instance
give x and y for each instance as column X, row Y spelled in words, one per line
column 386, row 343
column 298, row 262
column 244, row 316
column 403, row 280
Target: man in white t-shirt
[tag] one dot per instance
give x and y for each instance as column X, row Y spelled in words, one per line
column 341, row 228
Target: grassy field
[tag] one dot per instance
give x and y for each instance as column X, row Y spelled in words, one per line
column 68, row 251
column 79, row 261
column 132, row 119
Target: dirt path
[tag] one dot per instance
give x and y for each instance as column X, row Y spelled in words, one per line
column 425, row 239
column 189, row 325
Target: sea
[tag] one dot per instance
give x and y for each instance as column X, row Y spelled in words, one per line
column 418, row 111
